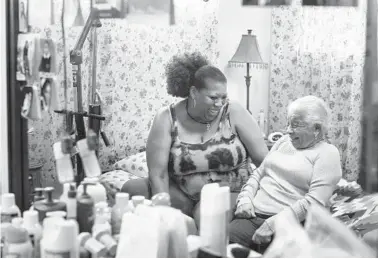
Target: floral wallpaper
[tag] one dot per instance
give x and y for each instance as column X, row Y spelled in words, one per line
column 130, row 78
column 331, row 67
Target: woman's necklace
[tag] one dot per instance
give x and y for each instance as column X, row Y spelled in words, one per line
column 208, row 124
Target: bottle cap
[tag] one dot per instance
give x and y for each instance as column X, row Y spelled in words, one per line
column 30, row 218
column 96, row 248
column 137, row 199
column 109, row 242
column 17, row 222
column 122, row 198
column 16, row 235
column 72, row 191
column 58, row 214
column 7, row 200
column 101, row 205
column 66, row 234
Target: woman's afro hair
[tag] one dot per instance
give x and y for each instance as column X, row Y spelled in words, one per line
column 180, row 72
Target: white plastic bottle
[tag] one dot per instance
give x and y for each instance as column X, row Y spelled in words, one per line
column 9, row 209
column 71, row 202
column 121, row 207
column 31, row 224
column 17, row 243
column 101, row 230
column 261, row 121
column 63, row 242
column 64, row 166
column 89, row 159
column 94, row 189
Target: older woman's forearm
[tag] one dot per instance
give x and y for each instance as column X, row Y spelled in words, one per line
column 248, row 191
column 159, row 183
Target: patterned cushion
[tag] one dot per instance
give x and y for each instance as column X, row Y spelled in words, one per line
column 113, row 182
column 135, row 164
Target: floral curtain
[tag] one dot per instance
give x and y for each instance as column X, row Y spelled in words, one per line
column 322, row 57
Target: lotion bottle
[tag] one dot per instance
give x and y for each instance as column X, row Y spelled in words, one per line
column 48, row 204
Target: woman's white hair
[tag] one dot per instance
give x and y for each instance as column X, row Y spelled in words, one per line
column 312, row 109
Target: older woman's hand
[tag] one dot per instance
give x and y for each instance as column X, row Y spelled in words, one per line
column 263, row 234
column 245, row 210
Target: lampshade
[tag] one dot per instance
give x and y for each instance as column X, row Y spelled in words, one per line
column 248, row 50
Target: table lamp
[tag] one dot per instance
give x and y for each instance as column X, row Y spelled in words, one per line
column 248, row 53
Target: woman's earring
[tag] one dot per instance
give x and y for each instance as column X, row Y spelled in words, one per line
column 194, row 103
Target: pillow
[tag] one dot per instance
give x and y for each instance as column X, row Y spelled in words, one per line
column 135, row 164
column 113, row 182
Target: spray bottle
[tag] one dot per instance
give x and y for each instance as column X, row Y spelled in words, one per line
column 48, row 204
column 85, row 210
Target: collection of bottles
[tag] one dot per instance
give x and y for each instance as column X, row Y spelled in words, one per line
column 83, row 225
column 79, row 224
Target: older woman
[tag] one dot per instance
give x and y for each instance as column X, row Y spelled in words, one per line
column 198, row 140
column 301, row 169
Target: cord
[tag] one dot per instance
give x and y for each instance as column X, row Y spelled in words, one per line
column 64, row 64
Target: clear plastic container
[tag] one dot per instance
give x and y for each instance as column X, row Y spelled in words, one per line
column 102, row 217
column 121, row 207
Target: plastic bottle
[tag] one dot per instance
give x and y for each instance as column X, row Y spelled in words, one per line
column 49, row 229
column 89, row 159
column 71, row 202
column 64, row 196
column 261, row 121
column 121, row 207
column 102, row 216
column 4, row 226
column 137, row 200
column 9, row 209
column 17, row 222
column 48, row 204
column 85, row 210
column 17, row 243
column 102, row 230
column 96, row 248
column 96, row 190
column 63, row 242
column 214, row 218
column 31, row 224
column 64, row 166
